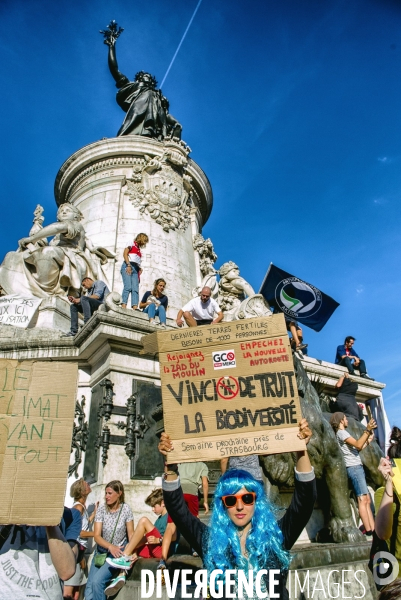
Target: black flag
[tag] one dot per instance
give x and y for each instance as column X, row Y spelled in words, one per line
column 298, row 300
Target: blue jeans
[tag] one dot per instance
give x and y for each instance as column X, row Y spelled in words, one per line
column 357, row 477
column 154, row 311
column 131, row 285
column 87, row 306
column 349, row 363
column 98, row 580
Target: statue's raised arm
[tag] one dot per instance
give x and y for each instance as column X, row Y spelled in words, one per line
column 111, row 33
column 146, row 107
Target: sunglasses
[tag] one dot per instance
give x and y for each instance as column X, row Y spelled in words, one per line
column 248, row 498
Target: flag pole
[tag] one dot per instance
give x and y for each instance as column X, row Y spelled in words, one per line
column 268, row 271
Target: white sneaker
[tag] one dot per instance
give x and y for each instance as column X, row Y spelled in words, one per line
column 162, row 325
column 115, row 585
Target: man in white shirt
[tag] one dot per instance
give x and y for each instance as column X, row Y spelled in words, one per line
column 200, row 310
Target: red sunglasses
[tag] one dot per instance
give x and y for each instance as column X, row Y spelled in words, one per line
column 247, row 498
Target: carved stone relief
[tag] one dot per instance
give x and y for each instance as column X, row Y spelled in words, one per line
column 235, row 296
column 207, row 258
column 161, row 188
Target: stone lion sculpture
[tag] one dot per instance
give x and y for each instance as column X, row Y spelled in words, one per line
column 327, row 460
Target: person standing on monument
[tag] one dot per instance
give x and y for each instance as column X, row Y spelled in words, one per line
column 200, row 310
column 131, row 270
column 248, row 463
column 192, row 475
column 88, row 304
column 351, row 448
column 155, row 303
column 297, row 340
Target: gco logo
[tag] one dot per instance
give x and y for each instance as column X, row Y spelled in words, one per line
column 223, row 359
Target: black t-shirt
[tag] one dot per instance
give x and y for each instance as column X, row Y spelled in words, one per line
column 348, row 387
column 346, row 401
column 162, row 299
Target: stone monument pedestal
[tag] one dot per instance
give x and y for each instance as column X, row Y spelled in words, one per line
column 53, row 313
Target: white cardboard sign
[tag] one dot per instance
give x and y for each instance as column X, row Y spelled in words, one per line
column 18, row 310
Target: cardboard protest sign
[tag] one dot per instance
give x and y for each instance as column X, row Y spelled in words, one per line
column 228, row 389
column 17, row 310
column 37, row 406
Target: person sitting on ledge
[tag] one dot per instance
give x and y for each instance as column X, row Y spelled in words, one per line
column 200, row 310
column 296, row 341
column 347, row 357
column 88, row 304
column 155, row 303
column 145, row 543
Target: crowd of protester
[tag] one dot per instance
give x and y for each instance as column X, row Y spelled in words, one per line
column 243, row 532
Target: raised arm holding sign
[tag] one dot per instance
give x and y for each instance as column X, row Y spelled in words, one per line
column 243, row 530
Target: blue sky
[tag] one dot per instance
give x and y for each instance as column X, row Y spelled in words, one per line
column 293, row 110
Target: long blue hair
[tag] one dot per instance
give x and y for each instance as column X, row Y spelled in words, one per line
column 264, row 542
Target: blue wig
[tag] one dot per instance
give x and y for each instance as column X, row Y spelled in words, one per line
column 264, row 542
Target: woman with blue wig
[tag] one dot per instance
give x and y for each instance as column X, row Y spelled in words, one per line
column 244, row 533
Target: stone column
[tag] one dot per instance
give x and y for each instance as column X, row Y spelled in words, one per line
column 128, row 185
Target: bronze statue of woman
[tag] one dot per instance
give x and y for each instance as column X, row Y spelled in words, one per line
column 146, row 107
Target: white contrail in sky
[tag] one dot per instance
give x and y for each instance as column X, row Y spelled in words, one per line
column 180, row 44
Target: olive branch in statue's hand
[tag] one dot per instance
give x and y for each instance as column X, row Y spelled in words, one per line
column 112, row 32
